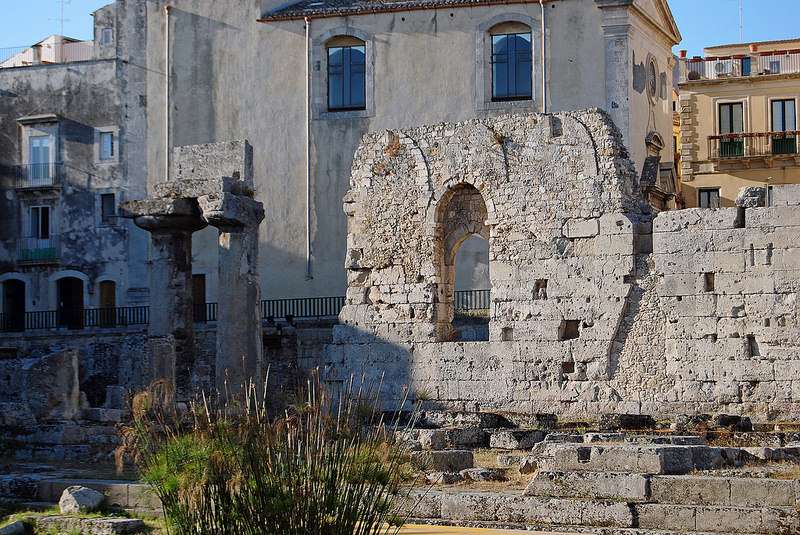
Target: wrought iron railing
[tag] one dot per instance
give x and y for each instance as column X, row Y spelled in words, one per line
column 714, row 68
column 303, row 307
column 472, row 302
column 46, row 53
column 753, row 144
column 475, row 302
column 35, row 249
column 38, row 175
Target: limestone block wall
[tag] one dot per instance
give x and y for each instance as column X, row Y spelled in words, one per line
column 596, row 306
column 556, row 197
column 728, row 288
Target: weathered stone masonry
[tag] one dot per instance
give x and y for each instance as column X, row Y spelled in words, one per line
column 596, row 306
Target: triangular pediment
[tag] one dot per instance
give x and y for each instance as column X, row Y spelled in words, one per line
column 659, row 14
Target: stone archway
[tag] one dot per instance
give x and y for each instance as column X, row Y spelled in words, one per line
column 461, row 213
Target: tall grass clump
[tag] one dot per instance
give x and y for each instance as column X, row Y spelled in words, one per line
column 327, row 465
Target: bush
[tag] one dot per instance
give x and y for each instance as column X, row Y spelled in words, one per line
column 328, row 465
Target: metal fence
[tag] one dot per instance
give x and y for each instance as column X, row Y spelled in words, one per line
column 38, row 175
column 474, row 302
column 713, row 68
column 753, row 144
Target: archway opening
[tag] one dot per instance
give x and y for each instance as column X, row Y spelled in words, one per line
column 471, row 289
column 13, row 306
column 70, row 302
column 461, row 214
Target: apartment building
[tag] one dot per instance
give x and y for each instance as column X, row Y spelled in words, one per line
column 738, row 108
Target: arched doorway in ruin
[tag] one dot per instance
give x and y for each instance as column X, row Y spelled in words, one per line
column 461, row 213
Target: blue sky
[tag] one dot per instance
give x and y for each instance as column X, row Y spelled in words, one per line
column 701, row 22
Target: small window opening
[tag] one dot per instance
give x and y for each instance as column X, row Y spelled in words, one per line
column 540, row 289
column 708, row 282
column 767, row 322
column 508, row 334
column 106, row 36
column 106, row 145
column 109, row 208
column 569, row 330
column 752, row 346
column 567, row 368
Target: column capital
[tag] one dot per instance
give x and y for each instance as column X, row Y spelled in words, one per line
column 230, row 211
column 164, row 215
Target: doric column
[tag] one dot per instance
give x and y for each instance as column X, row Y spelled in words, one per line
column 171, row 223
column 239, row 338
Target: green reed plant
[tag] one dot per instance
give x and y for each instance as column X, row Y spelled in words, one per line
column 327, row 465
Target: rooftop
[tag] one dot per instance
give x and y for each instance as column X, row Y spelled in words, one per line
column 335, row 8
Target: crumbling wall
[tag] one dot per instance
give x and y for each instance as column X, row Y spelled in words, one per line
column 596, row 306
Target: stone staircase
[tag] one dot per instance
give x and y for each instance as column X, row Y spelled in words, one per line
column 629, row 488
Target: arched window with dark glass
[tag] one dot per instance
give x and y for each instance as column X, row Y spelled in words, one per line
column 511, row 66
column 346, row 77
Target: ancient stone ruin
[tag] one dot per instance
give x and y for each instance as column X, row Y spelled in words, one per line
column 211, row 185
column 597, row 306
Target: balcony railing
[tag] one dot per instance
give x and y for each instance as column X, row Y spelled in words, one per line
column 753, row 145
column 468, row 301
column 472, row 302
column 46, row 53
column 38, row 175
column 714, row 68
column 35, row 249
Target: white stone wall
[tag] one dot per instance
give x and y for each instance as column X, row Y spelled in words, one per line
column 596, row 306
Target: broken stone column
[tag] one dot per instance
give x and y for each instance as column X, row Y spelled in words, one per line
column 171, row 223
column 239, row 342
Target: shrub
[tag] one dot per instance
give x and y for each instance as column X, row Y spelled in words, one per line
column 328, row 465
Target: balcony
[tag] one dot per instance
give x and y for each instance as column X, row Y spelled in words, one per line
column 738, row 65
column 38, row 175
column 33, row 250
column 752, row 145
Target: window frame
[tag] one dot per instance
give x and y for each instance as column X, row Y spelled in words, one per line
column 708, row 192
column 99, row 134
column 106, row 32
column 110, row 218
column 39, row 235
column 349, row 71
column 319, row 68
column 506, row 23
column 783, row 101
column 512, row 66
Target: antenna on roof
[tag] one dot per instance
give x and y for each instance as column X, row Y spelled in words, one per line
column 740, row 21
column 63, row 19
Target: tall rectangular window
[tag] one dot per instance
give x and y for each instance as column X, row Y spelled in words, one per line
column 108, row 207
column 106, row 36
column 731, row 121
column 708, row 198
column 40, row 222
column 511, row 66
column 106, row 145
column 784, row 118
column 346, row 78
column 39, row 159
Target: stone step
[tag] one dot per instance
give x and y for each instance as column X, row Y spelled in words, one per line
column 681, row 490
column 693, row 518
column 651, row 459
column 724, row 491
column 125, row 494
column 600, row 485
column 96, row 526
column 613, row 515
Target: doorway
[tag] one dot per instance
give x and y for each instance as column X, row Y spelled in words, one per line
column 70, row 302
column 13, row 306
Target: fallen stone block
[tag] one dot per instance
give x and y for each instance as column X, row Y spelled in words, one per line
column 467, row 437
column 78, row 499
column 594, row 438
column 433, row 439
column 515, row 440
column 731, row 423
column 611, row 422
column 482, row 474
column 623, row 458
column 443, row 461
column 528, row 465
column 443, row 478
column 684, row 422
column 601, row 485
column 536, row 420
